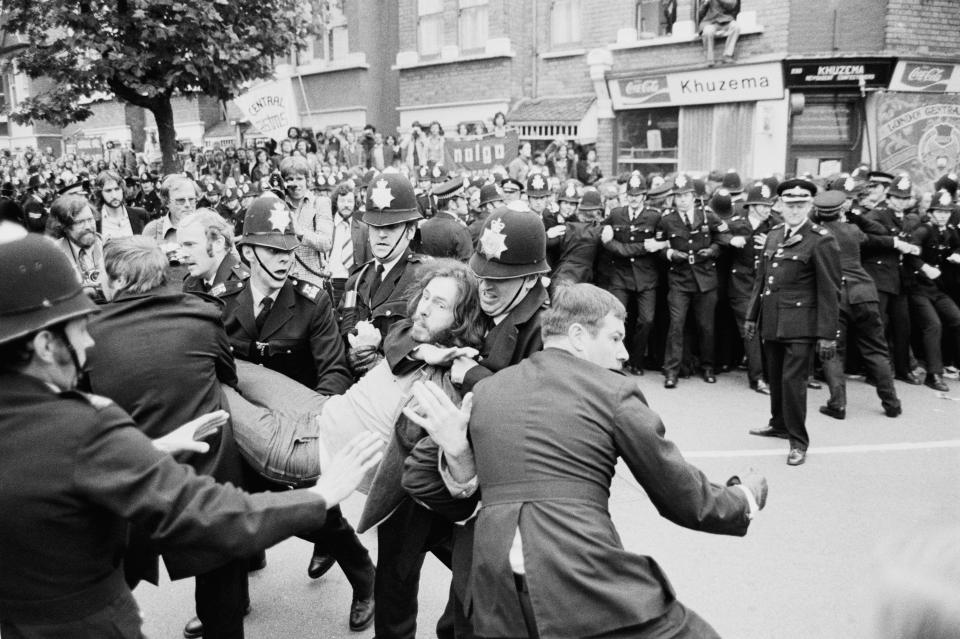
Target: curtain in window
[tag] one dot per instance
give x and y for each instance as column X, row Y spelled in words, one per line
column 717, row 136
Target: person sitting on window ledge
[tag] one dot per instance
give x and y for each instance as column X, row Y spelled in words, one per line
column 719, row 18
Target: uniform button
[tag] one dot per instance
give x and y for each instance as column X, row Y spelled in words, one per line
column 799, row 304
column 770, row 279
column 388, row 313
column 776, row 264
column 766, row 292
column 633, row 259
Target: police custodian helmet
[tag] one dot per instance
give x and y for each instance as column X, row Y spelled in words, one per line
column 268, row 222
column 38, row 288
column 390, row 200
column 511, row 244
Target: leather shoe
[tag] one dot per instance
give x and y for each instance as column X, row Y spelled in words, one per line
column 670, row 382
column 770, row 431
column 708, row 376
column 936, row 383
column 836, row 413
column 796, row 457
column 194, row 627
column 761, row 387
column 911, row 378
column 892, row 411
column 320, row 563
column 814, row 384
column 361, row 613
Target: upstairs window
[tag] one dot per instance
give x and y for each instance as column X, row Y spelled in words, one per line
column 429, row 27
column 565, row 22
column 473, row 25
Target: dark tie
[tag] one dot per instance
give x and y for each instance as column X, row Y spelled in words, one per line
column 206, row 286
column 375, row 284
column 786, row 236
column 265, row 305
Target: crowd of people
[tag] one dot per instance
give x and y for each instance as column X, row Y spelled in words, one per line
column 312, row 303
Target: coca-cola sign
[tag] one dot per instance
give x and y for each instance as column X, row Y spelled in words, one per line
column 925, row 77
column 649, row 90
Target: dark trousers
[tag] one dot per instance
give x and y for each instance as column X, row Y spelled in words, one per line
column 752, row 347
column 788, row 365
column 678, row 622
column 933, row 312
column 868, row 333
column 640, row 306
column 221, row 597
column 338, row 539
column 704, row 305
column 404, row 539
column 895, row 313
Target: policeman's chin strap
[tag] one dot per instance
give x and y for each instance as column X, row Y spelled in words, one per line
column 273, row 276
column 397, row 243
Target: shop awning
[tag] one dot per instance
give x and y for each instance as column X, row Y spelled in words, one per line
column 569, row 117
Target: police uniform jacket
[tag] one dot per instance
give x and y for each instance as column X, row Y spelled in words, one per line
column 389, row 304
column 151, row 203
column 445, row 236
column 936, row 245
column 796, row 294
column 623, row 262
column 697, row 273
column 299, row 338
column 513, row 339
column 880, row 259
column 578, row 246
column 545, row 462
column 857, row 285
column 230, row 269
column 75, row 470
column 743, row 266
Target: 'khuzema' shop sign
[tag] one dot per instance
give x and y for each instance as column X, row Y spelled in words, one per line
column 745, row 83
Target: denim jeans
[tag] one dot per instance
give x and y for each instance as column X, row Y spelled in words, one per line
column 285, row 430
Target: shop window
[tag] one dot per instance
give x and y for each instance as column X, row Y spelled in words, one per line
column 429, row 27
column 825, row 137
column 647, row 140
column 565, row 20
column 473, row 25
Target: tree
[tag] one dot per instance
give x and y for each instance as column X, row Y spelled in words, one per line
column 146, row 51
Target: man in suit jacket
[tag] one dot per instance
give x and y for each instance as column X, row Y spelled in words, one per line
column 207, row 250
column 628, row 270
column 547, row 559
column 348, row 246
column 691, row 237
column 794, row 307
column 116, row 218
column 287, row 325
column 186, row 338
column 77, row 472
column 445, row 234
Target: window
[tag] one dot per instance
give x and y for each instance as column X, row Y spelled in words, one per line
column 655, row 17
column 565, row 22
column 332, row 43
column 648, row 140
column 429, row 27
column 473, row 24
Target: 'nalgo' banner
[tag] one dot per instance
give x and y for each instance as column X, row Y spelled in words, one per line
column 479, row 155
column 914, row 129
column 270, row 107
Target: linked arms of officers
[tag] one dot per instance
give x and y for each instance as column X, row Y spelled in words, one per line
column 623, row 249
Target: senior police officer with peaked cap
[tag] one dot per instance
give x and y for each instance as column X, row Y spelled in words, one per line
column 77, row 470
column 794, row 307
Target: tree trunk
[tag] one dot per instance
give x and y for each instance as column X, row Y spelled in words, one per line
column 166, row 133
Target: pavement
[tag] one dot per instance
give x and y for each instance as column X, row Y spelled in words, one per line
column 806, row 569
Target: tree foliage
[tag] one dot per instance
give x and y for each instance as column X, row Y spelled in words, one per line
column 146, row 51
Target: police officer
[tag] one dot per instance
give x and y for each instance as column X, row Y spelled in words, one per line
column 628, row 270
column 886, row 204
column 62, row 575
column 580, row 242
column 206, row 247
column 749, row 234
column 934, row 309
column 287, row 325
column 690, row 237
column 148, row 198
column 376, row 294
column 859, row 307
column 446, row 234
column 794, row 307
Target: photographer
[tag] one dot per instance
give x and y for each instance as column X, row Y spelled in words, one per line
column 414, row 147
column 179, row 195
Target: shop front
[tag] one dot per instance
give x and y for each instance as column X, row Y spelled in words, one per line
column 701, row 120
column 828, row 97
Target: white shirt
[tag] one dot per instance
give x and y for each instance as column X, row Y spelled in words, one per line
column 341, row 229
column 112, row 225
column 258, row 298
